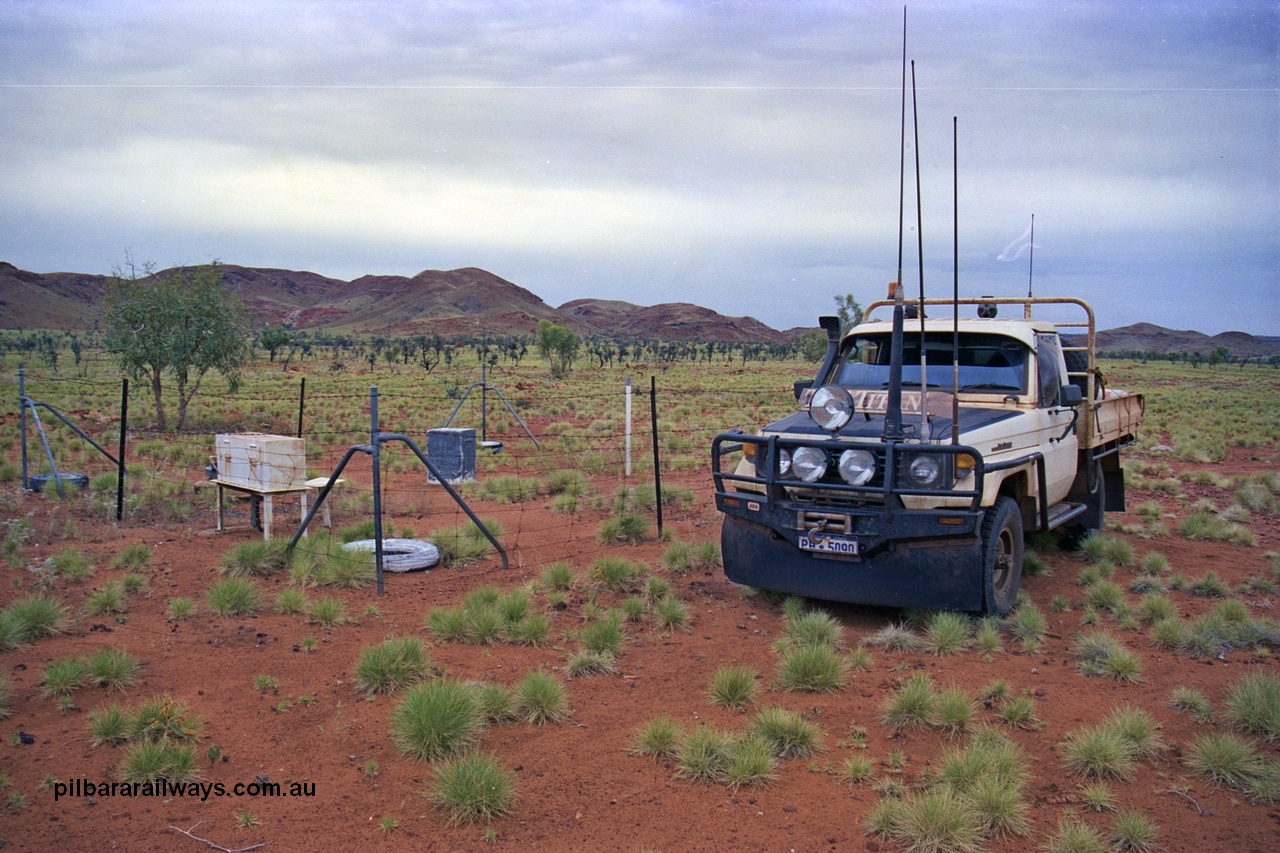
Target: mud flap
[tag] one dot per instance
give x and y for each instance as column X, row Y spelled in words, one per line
column 944, row 575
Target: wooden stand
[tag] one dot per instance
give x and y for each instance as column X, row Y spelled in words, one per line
column 266, row 496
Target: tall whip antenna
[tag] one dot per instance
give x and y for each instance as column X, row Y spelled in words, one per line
column 955, row 287
column 924, row 366
column 893, row 407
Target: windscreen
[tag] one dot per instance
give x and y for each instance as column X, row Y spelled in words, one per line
column 987, row 362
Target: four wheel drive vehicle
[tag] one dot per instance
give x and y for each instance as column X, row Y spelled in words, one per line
column 910, row 481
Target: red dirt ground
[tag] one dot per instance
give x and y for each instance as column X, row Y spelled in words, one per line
column 578, row 788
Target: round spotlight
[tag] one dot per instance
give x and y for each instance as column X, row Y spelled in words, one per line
column 809, row 464
column 857, row 467
column 831, row 407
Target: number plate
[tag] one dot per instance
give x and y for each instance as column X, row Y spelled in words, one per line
column 845, row 545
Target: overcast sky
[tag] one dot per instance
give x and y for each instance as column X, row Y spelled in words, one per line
column 740, row 155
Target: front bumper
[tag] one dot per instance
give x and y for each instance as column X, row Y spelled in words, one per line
column 888, row 555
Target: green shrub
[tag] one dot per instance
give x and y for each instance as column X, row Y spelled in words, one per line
column 163, row 718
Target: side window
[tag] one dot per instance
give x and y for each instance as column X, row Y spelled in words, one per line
column 1049, row 352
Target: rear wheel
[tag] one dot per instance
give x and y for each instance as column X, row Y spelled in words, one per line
column 1096, row 499
column 1002, row 548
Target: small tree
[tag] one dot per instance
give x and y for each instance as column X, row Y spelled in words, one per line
column 274, row 338
column 558, row 345
column 849, row 312
column 181, row 324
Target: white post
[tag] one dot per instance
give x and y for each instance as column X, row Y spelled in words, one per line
column 628, row 426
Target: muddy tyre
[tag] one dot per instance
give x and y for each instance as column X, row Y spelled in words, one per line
column 1073, row 534
column 1002, row 549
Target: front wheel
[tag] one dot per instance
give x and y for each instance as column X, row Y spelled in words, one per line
column 1002, row 547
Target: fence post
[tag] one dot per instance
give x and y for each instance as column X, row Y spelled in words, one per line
column 374, row 447
column 124, row 427
column 657, row 468
column 22, row 417
column 628, row 427
column 302, row 400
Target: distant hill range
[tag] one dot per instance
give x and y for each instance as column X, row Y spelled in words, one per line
column 450, row 303
column 470, row 301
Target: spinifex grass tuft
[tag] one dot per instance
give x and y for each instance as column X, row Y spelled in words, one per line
column 947, row 632
column 108, row 725
column 912, row 705
column 393, row 664
column 328, row 612
column 1188, row 700
column 812, row 628
column 256, row 557
column 112, row 668
column 234, row 597
column 658, row 738
column 733, row 687
column 109, row 599
column 1253, row 705
column 752, row 761
column 812, row 669
column 473, row 789
column 787, row 733
column 1098, row 753
column 671, row 613
column 63, row 676
column 703, row 754
column 1135, row 831
column 1228, row 759
column 437, row 719
column 541, row 698
column 605, row 635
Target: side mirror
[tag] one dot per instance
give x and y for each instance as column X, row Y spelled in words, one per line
column 1070, row 396
column 801, row 386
